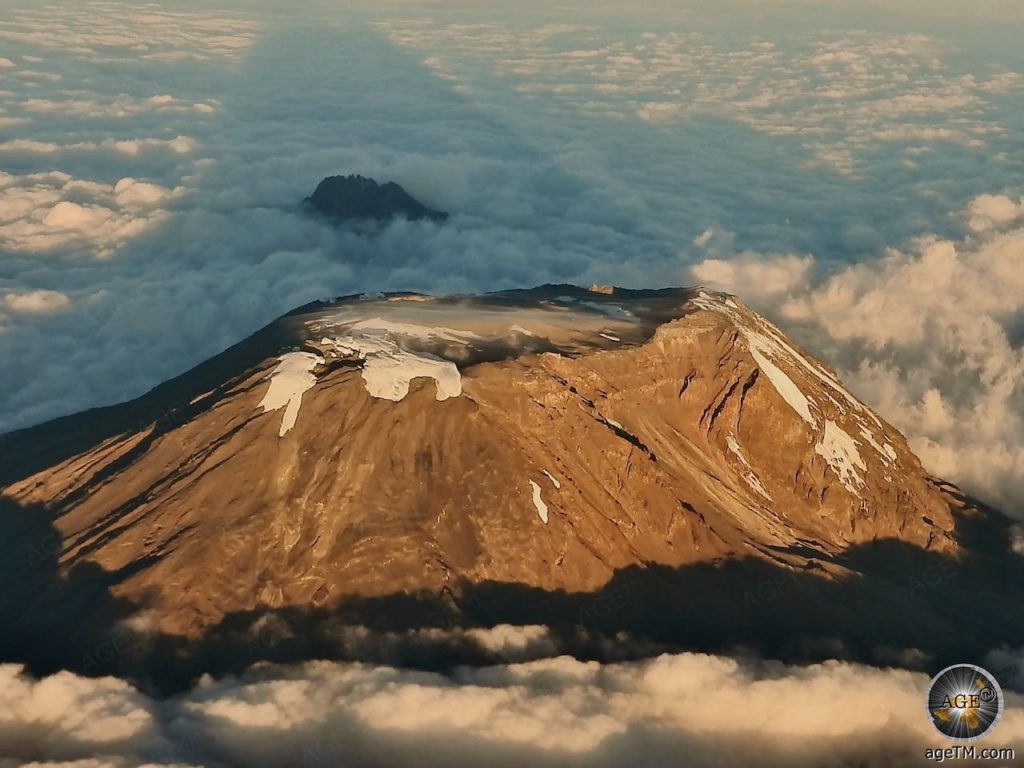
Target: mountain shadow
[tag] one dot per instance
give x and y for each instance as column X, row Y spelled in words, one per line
column 898, row 606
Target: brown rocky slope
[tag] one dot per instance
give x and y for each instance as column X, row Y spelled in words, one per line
column 544, row 442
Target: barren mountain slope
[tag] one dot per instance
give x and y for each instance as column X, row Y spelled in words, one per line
column 545, row 438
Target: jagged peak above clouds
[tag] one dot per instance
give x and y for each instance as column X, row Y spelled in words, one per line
column 355, row 197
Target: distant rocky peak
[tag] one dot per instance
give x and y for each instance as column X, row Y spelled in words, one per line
column 354, row 198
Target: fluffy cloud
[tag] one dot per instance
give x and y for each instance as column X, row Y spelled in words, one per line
column 42, row 212
column 112, row 30
column 933, row 337
column 555, row 711
column 122, row 106
column 181, row 145
column 36, row 301
column 749, row 274
column 66, row 717
column 991, row 211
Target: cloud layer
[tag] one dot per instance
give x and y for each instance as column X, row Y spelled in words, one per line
column 708, row 710
column 840, row 96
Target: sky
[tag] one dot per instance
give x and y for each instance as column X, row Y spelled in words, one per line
column 853, row 170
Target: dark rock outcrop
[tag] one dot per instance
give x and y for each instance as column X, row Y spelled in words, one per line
column 353, row 198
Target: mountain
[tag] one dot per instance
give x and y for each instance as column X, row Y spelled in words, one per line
column 347, row 198
column 663, row 463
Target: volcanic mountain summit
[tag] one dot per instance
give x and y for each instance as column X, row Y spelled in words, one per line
column 511, row 457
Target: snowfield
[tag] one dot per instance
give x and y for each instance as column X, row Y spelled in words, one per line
column 292, row 377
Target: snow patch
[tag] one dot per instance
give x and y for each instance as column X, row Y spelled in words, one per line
column 292, row 377
column 388, row 369
column 751, row 479
column 538, row 502
column 825, row 378
column 769, row 343
column 760, row 348
column 885, row 450
column 608, row 336
column 551, row 477
column 840, row 451
column 380, row 326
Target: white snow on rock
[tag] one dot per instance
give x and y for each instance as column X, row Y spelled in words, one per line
column 767, row 342
column 761, row 349
column 840, row 451
column 379, row 325
column 886, row 451
column 292, row 377
column 823, row 376
column 538, row 502
column 388, row 369
column 551, row 477
column 751, row 479
column 608, row 336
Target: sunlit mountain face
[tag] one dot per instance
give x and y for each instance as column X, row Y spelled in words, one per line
column 851, row 171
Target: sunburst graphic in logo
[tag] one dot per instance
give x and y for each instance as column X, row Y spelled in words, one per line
column 964, row 702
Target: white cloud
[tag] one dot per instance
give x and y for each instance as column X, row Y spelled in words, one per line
column 122, row 106
column 557, row 711
column 36, row 302
column 180, row 145
column 129, row 192
column 655, row 111
column 66, row 717
column 45, row 211
column 751, row 274
column 112, row 30
column 704, row 238
column 990, row 211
